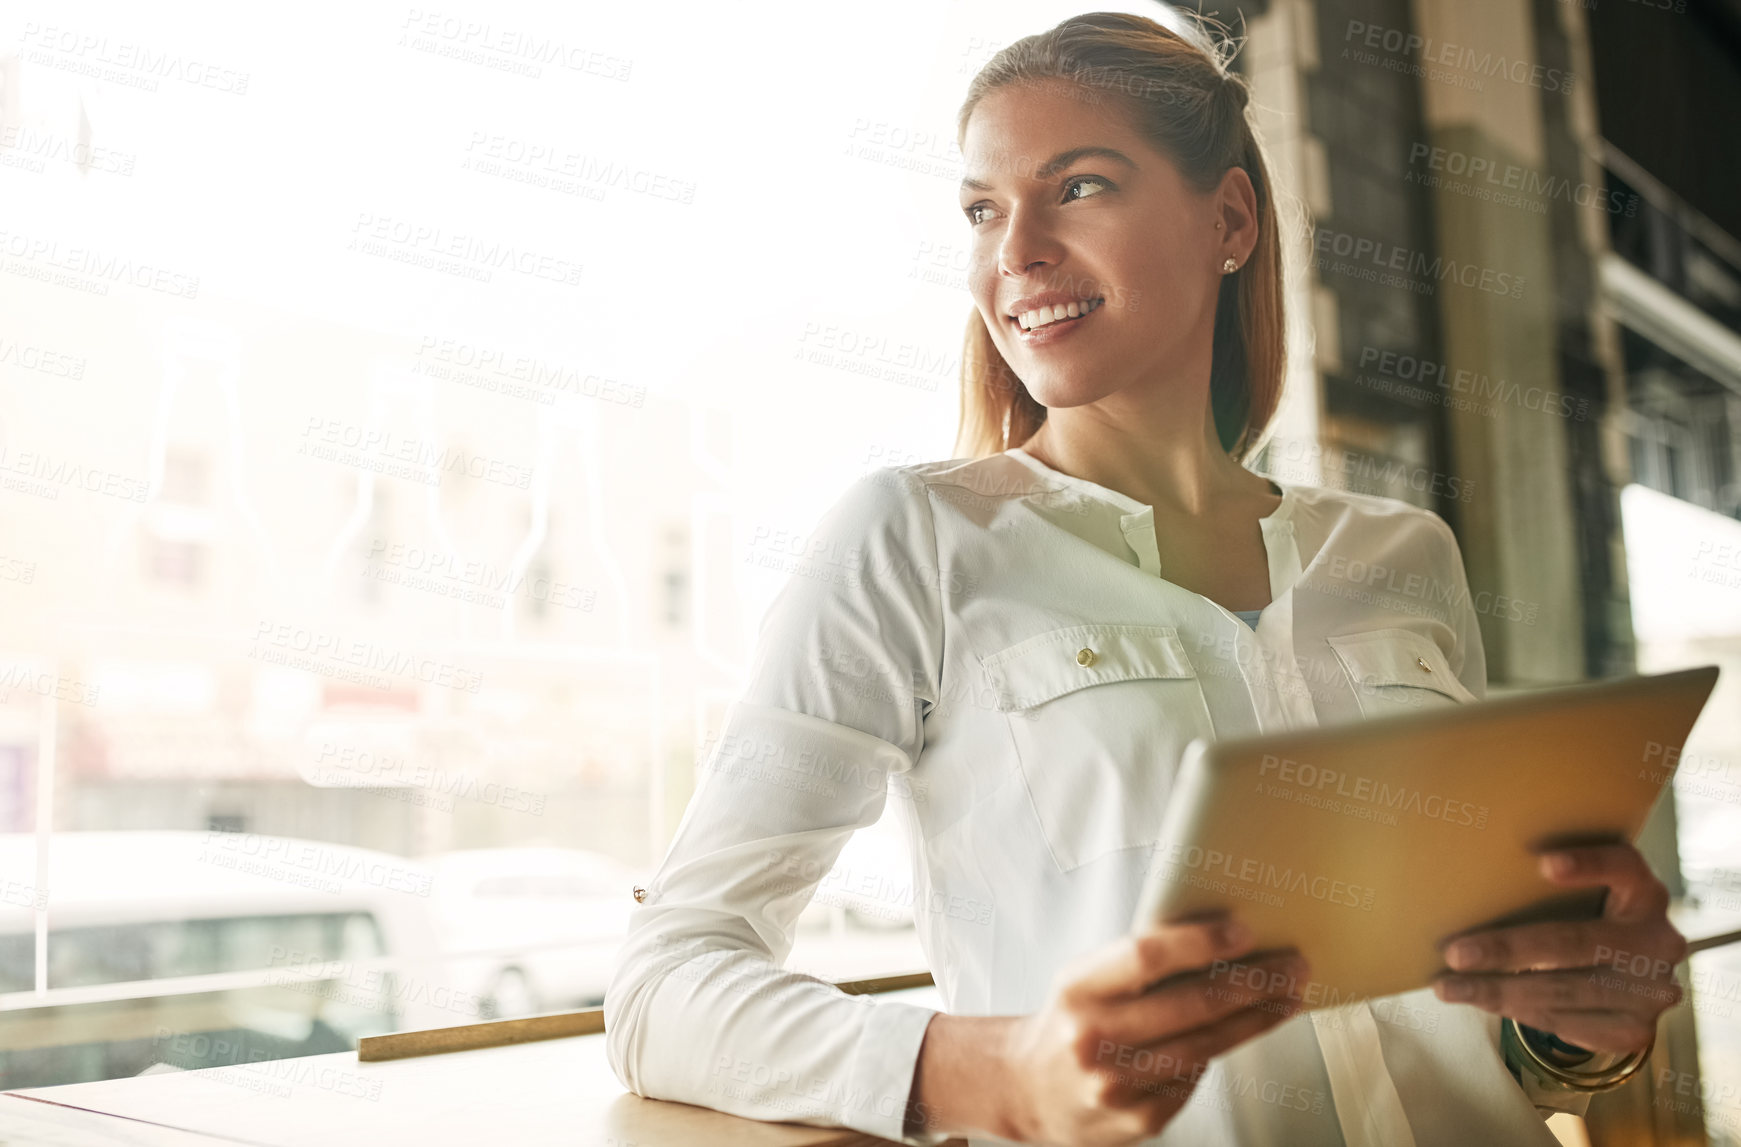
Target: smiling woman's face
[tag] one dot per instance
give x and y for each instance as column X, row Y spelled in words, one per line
column 1114, row 221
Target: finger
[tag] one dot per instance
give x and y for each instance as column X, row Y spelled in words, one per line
column 1181, row 1060
column 1644, row 949
column 1521, row 994
column 1635, row 893
column 1144, row 1077
column 1656, row 993
column 1203, row 997
column 1139, row 960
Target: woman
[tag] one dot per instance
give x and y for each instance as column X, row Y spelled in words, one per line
column 1018, row 643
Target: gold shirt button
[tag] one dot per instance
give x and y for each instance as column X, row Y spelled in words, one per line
column 640, row 894
column 1085, row 656
column 1422, row 662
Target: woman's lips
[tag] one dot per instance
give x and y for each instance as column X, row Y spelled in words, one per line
column 1053, row 331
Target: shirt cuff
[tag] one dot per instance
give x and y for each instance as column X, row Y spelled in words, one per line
column 882, row 1072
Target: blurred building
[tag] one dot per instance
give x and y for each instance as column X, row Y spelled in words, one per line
column 1525, row 293
column 384, row 612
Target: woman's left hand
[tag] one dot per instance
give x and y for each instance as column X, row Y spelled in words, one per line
column 1599, row 983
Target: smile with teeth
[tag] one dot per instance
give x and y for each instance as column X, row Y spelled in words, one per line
column 1046, row 316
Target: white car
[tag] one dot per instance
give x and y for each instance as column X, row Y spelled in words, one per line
column 532, row 929
column 236, row 944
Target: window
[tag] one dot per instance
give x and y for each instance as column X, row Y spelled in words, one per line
column 374, row 596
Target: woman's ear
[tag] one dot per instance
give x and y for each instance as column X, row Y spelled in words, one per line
column 1236, row 212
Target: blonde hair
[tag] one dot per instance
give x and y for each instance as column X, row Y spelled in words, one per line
column 1192, row 108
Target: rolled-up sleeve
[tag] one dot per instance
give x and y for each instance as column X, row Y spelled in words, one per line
column 846, row 664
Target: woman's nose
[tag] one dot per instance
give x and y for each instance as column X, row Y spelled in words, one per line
column 1026, row 243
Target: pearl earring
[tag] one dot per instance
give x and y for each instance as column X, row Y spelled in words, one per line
column 1230, row 266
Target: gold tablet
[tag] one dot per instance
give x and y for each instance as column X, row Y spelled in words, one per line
column 1365, row 843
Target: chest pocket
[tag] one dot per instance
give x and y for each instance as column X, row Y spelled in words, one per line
column 1395, row 671
column 1100, row 716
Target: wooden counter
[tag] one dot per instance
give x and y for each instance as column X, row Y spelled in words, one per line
column 556, row 1092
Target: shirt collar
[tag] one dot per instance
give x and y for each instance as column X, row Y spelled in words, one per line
column 1137, row 519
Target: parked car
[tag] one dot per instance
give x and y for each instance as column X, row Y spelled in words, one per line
column 240, row 945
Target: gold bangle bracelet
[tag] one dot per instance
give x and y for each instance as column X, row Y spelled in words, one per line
column 1519, row 1050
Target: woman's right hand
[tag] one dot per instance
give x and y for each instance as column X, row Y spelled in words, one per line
column 1113, row 1055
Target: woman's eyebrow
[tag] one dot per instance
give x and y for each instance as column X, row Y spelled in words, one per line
column 1057, row 163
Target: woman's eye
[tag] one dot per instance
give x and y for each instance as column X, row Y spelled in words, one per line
column 1081, row 179
column 974, row 218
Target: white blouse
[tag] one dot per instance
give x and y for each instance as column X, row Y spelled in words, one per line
column 926, row 651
